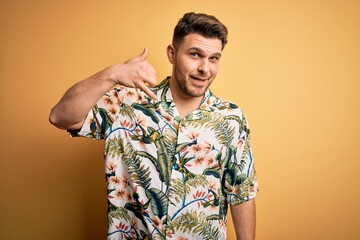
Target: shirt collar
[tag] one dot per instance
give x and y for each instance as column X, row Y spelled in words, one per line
column 164, row 95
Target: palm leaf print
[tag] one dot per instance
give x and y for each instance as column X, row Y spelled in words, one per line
column 127, row 110
column 159, row 165
column 242, row 123
column 158, row 202
column 224, row 132
column 181, row 188
column 198, row 224
column 115, row 212
column 215, row 171
column 163, row 161
column 147, row 110
column 139, row 174
column 170, row 141
column 106, row 120
column 114, row 147
column 233, row 174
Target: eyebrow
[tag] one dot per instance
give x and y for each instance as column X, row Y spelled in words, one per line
column 202, row 51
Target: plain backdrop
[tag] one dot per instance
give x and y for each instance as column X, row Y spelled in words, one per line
column 293, row 67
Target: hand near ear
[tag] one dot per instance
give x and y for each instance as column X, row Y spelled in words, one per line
column 70, row 112
column 136, row 72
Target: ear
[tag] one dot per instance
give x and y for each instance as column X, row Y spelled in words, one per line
column 170, row 51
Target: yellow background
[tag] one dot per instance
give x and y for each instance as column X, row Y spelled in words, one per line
column 293, row 66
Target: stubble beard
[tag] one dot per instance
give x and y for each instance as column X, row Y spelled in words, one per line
column 183, row 85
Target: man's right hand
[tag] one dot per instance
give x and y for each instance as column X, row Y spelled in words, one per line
column 135, row 72
column 70, row 112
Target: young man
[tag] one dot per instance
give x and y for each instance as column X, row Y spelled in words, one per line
column 176, row 155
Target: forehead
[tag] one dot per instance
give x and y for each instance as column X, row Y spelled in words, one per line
column 209, row 45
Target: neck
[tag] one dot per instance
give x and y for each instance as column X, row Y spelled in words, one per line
column 184, row 103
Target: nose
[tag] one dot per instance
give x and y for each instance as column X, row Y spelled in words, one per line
column 203, row 67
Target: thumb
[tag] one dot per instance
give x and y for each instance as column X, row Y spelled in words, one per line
column 144, row 54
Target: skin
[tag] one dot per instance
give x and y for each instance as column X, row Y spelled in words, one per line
column 70, row 112
column 244, row 220
column 195, row 65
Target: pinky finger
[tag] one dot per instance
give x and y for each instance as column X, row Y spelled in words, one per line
column 147, row 90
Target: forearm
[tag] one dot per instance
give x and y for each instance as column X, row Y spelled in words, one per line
column 70, row 112
column 244, row 219
column 73, row 107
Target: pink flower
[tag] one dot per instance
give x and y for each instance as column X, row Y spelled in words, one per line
column 115, row 180
column 182, row 238
column 196, row 148
column 157, row 221
column 111, row 166
column 193, row 135
column 119, row 193
column 199, row 160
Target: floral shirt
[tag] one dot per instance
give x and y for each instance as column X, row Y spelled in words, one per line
column 168, row 177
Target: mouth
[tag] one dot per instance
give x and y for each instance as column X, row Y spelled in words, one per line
column 200, row 79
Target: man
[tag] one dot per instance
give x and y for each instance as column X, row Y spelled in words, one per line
column 176, row 155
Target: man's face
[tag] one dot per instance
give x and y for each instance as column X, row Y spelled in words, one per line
column 195, row 64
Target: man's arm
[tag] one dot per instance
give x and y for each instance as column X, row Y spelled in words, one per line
column 244, row 219
column 70, row 112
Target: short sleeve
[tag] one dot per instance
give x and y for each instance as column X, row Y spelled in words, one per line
column 100, row 118
column 241, row 182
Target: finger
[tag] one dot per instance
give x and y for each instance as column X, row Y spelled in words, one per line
column 149, row 77
column 146, row 89
column 144, row 54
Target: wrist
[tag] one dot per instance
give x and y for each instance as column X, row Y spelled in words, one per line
column 113, row 73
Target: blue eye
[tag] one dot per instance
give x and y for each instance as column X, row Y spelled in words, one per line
column 194, row 54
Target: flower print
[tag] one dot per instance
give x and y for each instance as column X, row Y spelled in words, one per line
column 140, row 98
column 129, row 197
column 199, row 160
column 207, row 147
column 108, row 100
column 115, row 180
column 111, row 166
column 141, row 121
column 240, row 143
column 196, row 148
column 168, row 118
column 134, row 223
column 113, row 111
column 193, row 135
column 130, row 93
column 157, row 222
column 119, row 193
column 212, row 186
column 182, row 238
column 124, row 181
column 210, row 161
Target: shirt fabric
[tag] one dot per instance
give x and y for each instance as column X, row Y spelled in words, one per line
column 168, row 177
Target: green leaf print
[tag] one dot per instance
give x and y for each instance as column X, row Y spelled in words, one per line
column 181, row 188
column 215, row 171
column 115, row 212
column 197, row 224
column 114, row 147
column 106, row 120
column 233, row 174
column 127, row 110
column 139, row 174
column 159, row 202
column 147, row 110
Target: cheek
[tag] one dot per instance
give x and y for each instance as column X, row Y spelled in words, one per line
column 214, row 69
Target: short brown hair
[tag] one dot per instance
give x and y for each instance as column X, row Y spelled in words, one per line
column 200, row 23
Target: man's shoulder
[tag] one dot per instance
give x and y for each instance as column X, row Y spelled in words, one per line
column 223, row 106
